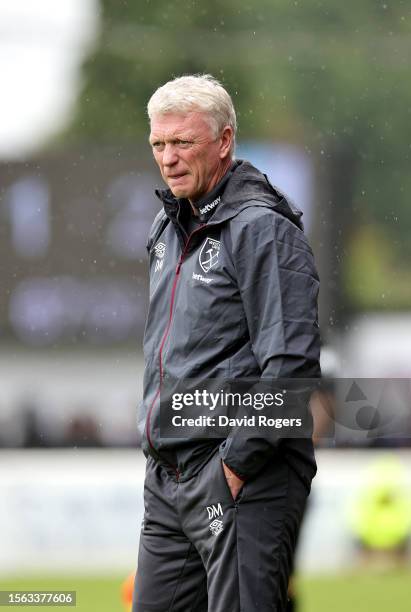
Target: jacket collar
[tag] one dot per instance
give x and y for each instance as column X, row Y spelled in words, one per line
column 206, row 206
column 242, row 186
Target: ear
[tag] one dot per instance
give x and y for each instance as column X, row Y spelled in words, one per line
column 226, row 140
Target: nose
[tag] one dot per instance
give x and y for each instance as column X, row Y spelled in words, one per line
column 170, row 156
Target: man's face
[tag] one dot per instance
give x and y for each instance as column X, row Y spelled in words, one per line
column 190, row 158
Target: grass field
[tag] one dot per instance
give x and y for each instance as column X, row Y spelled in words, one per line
column 349, row 593
column 357, row 593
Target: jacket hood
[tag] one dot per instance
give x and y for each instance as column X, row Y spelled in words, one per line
column 250, row 187
column 243, row 186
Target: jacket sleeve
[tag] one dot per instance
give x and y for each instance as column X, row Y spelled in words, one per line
column 279, row 286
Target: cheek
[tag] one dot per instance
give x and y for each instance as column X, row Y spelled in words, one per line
column 201, row 165
column 157, row 157
column 159, row 162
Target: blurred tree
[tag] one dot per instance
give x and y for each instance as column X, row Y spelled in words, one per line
column 331, row 76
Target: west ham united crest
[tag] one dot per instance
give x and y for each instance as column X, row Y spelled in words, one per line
column 208, row 257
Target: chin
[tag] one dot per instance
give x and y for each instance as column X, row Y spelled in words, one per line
column 179, row 193
column 181, row 189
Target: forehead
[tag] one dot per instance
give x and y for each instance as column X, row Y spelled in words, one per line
column 170, row 125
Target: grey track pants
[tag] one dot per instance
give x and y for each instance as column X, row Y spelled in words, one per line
column 202, row 551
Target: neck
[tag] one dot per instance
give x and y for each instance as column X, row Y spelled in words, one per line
column 221, row 171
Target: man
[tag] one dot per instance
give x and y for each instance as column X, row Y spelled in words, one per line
column 233, row 292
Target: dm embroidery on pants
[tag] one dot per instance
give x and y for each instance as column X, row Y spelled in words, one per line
column 214, row 511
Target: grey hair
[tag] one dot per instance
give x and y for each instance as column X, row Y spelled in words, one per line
column 198, row 92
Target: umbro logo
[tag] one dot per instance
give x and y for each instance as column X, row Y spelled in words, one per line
column 216, row 527
column 159, row 250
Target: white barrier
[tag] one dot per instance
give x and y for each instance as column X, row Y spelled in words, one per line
column 70, row 510
column 81, row 510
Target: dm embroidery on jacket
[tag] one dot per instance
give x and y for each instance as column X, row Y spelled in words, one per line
column 209, row 253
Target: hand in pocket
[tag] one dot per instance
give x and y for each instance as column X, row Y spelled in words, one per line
column 235, row 483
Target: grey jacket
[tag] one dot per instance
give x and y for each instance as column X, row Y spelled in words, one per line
column 236, row 298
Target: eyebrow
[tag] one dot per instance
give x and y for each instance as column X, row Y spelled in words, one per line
column 153, row 139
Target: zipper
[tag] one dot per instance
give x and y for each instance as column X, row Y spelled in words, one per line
column 163, row 341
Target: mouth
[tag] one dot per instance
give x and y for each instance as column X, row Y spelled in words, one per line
column 175, row 176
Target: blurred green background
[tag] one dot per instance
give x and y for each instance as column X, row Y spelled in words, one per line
column 331, row 77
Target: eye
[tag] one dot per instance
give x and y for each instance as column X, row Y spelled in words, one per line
column 157, row 145
column 184, row 144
